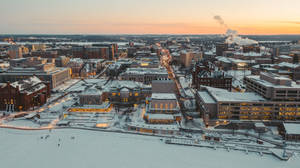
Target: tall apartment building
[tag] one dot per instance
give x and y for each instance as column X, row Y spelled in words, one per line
column 187, row 58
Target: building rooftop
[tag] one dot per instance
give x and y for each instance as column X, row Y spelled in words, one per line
column 222, row 95
column 276, row 84
column 208, row 99
column 292, row 128
column 285, row 56
column 288, row 65
column 164, row 96
column 232, row 60
column 123, row 84
column 92, row 91
column 143, row 71
column 252, row 54
column 160, row 116
column 29, row 85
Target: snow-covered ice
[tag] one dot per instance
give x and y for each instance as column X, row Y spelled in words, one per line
column 81, row 148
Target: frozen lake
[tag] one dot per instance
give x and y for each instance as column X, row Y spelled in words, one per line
column 89, row 149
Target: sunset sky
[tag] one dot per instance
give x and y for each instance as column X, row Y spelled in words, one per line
column 148, row 16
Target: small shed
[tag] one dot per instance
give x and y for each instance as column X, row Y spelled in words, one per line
column 292, row 131
column 260, row 127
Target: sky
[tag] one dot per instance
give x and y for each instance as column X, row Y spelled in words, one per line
column 148, row 16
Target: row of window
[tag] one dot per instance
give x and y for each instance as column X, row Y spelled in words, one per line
column 9, row 101
column 130, row 94
column 163, row 106
column 229, row 105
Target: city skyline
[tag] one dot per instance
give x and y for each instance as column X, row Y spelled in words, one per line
column 153, row 17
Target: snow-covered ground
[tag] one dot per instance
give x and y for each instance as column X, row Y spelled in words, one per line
column 23, row 123
column 78, row 149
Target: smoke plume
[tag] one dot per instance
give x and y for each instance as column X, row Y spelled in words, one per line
column 220, row 20
column 233, row 35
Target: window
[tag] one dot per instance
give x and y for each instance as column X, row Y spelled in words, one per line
column 280, row 91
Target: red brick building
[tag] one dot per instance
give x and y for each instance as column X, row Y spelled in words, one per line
column 204, row 74
column 24, row 94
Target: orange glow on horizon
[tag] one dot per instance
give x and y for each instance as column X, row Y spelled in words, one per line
column 208, row 27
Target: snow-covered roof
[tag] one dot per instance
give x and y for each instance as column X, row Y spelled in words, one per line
column 163, row 96
column 208, row 99
column 230, row 60
column 124, row 90
column 160, row 117
column 292, row 128
column 91, row 91
column 175, row 54
column 259, row 125
column 143, row 71
column 289, row 65
column 125, row 84
column 252, row 54
column 222, row 95
column 257, row 79
column 285, row 56
column 29, row 85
